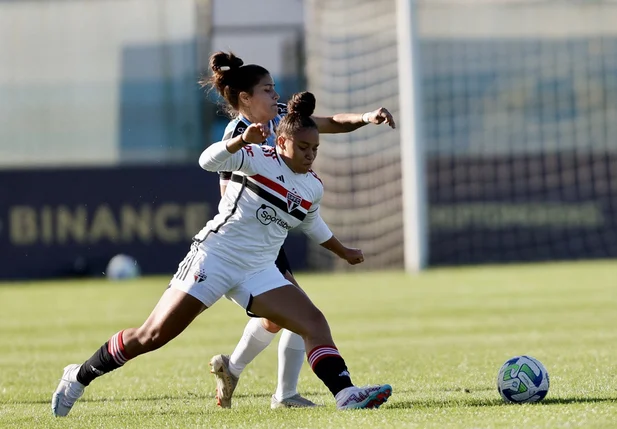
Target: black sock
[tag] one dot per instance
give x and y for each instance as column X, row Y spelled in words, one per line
column 110, row 356
column 330, row 367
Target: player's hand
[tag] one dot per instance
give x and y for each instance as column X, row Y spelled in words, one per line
column 256, row 133
column 353, row 256
column 381, row 116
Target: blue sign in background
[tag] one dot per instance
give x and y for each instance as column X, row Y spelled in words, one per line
column 58, row 223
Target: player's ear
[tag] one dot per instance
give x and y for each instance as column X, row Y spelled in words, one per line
column 244, row 97
column 280, row 141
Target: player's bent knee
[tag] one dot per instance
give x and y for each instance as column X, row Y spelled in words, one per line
column 316, row 325
column 270, row 326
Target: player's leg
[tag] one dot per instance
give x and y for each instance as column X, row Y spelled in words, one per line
column 292, row 309
column 189, row 294
column 257, row 335
column 290, row 357
column 173, row 313
column 227, row 369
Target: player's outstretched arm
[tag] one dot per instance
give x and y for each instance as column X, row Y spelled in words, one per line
column 226, row 155
column 347, row 122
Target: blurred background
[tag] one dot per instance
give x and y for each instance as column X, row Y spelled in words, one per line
column 102, row 122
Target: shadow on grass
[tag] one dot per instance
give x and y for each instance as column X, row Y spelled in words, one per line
column 392, row 404
column 559, row 401
column 496, row 402
column 185, row 397
column 447, row 389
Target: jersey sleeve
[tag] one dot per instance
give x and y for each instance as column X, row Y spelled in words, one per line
column 314, row 226
column 239, row 128
column 217, row 158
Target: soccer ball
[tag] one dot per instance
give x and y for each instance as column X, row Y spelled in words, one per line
column 122, row 267
column 522, row 379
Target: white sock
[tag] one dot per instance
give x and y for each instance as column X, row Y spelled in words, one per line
column 254, row 340
column 291, row 359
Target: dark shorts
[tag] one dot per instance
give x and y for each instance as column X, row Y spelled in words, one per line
column 282, row 263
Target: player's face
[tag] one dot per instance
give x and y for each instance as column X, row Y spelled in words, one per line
column 262, row 105
column 300, row 150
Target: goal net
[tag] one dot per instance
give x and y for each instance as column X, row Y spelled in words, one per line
column 519, row 101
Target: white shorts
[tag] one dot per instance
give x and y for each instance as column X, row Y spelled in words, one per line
column 208, row 277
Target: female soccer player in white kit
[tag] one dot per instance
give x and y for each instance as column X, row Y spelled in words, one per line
column 234, row 254
column 251, row 97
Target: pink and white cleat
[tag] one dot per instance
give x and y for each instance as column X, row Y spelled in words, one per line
column 363, row 397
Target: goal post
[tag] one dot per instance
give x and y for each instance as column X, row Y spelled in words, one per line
column 412, row 143
column 352, row 66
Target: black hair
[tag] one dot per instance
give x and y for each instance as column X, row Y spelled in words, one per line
column 230, row 77
column 299, row 110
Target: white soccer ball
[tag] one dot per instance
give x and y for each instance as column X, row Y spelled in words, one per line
column 522, row 379
column 122, row 267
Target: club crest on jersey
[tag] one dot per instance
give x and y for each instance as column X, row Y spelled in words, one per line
column 293, row 201
column 199, row 276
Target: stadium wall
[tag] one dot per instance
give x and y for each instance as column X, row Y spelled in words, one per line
column 70, row 222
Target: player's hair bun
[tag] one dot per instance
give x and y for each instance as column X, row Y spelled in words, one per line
column 302, row 104
column 299, row 110
column 221, row 62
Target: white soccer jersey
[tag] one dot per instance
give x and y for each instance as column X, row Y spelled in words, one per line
column 263, row 201
column 237, row 126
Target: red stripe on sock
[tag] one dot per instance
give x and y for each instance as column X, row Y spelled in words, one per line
column 115, row 347
column 322, row 352
column 121, row 345
column 319, row 347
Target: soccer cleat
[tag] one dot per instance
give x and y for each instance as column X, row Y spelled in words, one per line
column 295, row 401
column 69, row 390
column 226, row 382
column 363, row 397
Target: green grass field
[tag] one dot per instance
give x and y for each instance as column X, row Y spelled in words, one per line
column 438, row 338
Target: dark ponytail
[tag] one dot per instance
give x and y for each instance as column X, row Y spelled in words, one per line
column 230, row 77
